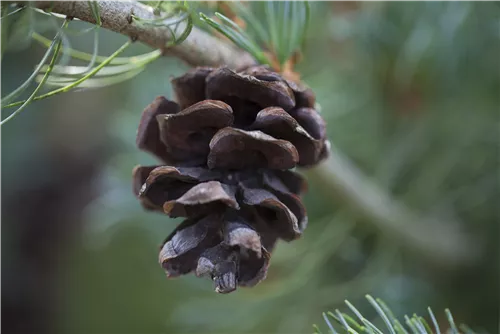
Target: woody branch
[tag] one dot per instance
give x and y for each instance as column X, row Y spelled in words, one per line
column 199, row 49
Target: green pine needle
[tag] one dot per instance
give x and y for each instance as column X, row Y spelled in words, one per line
column 96, row 82
column 75, row 83
column 19, row 90
column 381, row 313
column 251, row 20
column 344, row 323
column 316, row 329
column 15, row 11
column 99, row 59
column 415, row 325
column 95, row 12
column 281, row 31
column 453, row 327
column 426, row 324
column 330, row 326
column 24, row 104
column 434, row 321
column 237, row 36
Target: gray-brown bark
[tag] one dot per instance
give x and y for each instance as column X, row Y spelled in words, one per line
column 199, row 49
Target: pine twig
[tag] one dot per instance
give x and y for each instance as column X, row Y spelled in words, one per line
column 199, row 49
column 436, row 241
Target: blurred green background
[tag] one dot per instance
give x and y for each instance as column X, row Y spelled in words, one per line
column 410, row 92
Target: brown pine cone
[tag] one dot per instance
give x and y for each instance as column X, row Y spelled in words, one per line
column 230, row 120
column 228, row 144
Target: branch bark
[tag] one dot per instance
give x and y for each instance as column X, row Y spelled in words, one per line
column 199, row 49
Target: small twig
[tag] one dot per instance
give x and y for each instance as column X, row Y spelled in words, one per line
column 436, row 241
column 200, row 48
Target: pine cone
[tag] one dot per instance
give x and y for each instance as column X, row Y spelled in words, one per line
column 228, row 144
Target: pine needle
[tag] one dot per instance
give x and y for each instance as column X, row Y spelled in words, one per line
column 77, row 82
column 32, row 97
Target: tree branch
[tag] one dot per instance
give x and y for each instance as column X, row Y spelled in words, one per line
column 339, row 178
column 199, row 49
column 439, row 243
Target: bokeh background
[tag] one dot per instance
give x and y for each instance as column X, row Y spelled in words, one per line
column 410, row 92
